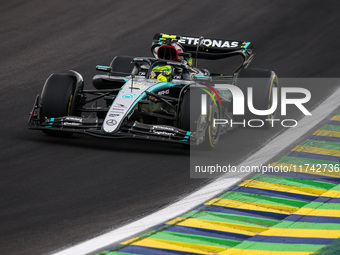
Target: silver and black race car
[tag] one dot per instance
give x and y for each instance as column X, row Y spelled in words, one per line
column 165, row 97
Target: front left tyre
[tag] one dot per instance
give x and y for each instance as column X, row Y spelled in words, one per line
column 57, row 98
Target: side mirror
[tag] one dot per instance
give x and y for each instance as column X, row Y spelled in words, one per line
column 103, row 68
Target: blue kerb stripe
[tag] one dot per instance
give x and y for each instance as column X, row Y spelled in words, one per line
column 188, row 133
column 328, row 200
column 307, row 176
column 333, row 122
column 244, row 212
column 148, row 251
column 325, row 138
column 207, row 232
column 273, row 193
column 300, row 154
column 313, row 219
column 52, row 119
column 292, row 240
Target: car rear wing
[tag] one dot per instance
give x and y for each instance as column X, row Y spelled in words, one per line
column 206, row 48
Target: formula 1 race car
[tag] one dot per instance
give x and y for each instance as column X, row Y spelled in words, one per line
column 165, row 97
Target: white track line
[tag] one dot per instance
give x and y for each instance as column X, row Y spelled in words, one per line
column 209, row 191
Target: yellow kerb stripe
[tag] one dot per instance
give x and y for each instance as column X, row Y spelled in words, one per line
column 318, row 212
column 178, row 246
column 220, row 226
column 315, row 150
column 307, row 233
column 304, row 169
column 282, row 187
column 336, row 118
column 235, row 251
column 332, row 193
column 253, row 206
column 327, row 133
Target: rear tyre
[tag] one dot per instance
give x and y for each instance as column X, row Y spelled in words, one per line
column 262, row 81
column 56, row 98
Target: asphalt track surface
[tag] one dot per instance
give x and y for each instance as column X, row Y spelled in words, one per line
column 57, row 192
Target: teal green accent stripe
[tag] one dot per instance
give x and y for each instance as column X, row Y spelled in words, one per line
column 103, row 66
column 202, row 76
column 161, row 85
column 124, row 78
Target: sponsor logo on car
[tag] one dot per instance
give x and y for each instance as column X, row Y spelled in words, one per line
column 163, row 133
column 164, row 92
column 111, row 122
column 121, row 105
column 128, row 96
column 114, row 114
column 163, row 128
column 209, row 42
column 73, row 119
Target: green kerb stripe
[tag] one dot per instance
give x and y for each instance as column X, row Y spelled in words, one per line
column 234, row 218
column 195, row 239
column 322, row 144
column 220, row 217
column 319, row 205
column 293, row 182
column 278, row 246
column 261, row 198
column 331, row 128
column 308, row 225
column 114, row 253
column 303, row 161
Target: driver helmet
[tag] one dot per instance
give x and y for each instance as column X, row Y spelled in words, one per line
column 161, row 73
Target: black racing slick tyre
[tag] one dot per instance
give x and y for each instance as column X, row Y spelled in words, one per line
column 262, row 83
column 192, row 120
column 57, row 97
